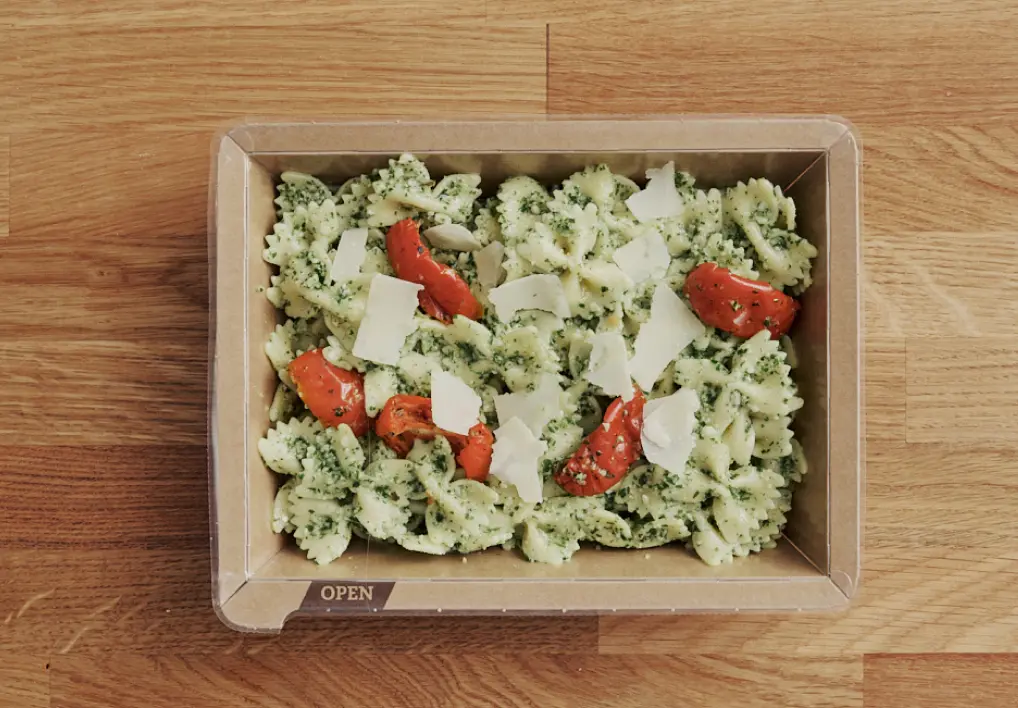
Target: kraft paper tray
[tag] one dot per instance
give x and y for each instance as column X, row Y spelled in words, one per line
column 260, row 579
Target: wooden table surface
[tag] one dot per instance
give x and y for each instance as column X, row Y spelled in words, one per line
column 106, row 115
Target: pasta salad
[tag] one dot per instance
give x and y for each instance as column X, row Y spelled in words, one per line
column 537, row 368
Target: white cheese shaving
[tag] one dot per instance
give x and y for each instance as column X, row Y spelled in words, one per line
column 514, row 459
column 451, row 236
column 670, row 328
column 645, row 257
column 535, row 408
column 489, row 264
column 659, row 199
column 609, row 365
column 388, row 319
column 454, row 405
column 656, row 432
column 350, row 255
column 533, row 292
column 667, row 434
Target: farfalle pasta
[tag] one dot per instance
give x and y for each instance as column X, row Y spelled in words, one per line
column 601, row 270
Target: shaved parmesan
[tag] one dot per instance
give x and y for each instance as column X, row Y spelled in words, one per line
column 388, row 319
column 659, row 199
column 656, row 432
column 452, row 236
column 667, row 435
column 454, row 405
column 514, row 459
column 350, row 254
column 489, row 264
column 645, row 257
column 671, row 327
column 609, row 365
column 534, row 292
column 535, row 408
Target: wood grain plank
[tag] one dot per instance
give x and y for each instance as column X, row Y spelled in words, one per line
column 7, row 100
column 178, row 76
column 945, row 178
column 232, row 13
column 923, row 600
column 107, row 393
column 962, row 390
column 5, row 185
column 154, row 602
column 474, row 680
column 884, row 390
column 794, row 13
column 932, row 284
column 24, row 681
column 941, row 494
column 140, row 228
column 824, row 67
column 105, row 497
column 168, row 301
column 130, row 185
column 919, row 681
column 883, row 317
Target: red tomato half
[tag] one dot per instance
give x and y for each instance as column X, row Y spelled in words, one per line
column 333, row 394
column 431, row 307
column 603, row 459
column 475, row 455
column 738, row 305
column 405, row 419
column 445, row 293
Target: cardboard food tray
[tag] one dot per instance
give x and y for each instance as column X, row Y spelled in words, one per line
column 260, row 579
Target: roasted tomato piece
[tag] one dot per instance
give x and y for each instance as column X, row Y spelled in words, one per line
column 405, row 419
column 605, row 456
column 333, row 394
column 445, row 293
column 738, row 305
